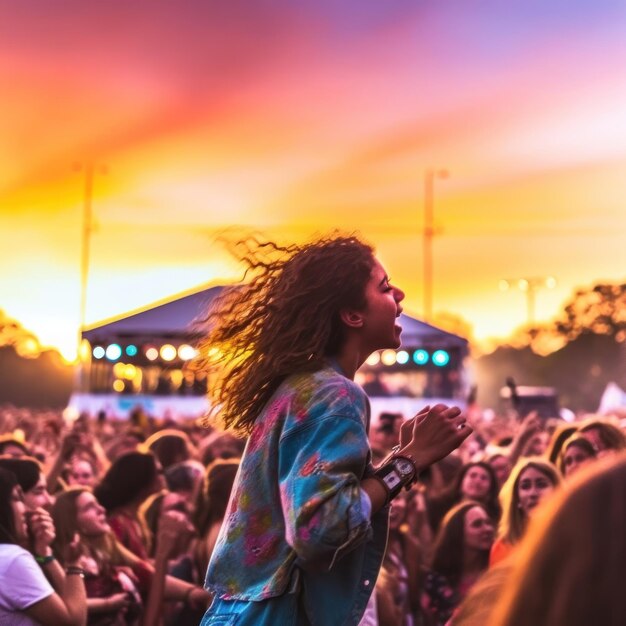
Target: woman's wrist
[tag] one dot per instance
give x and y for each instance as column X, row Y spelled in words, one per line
column 44, row 559
column 74, row 570
column 408, row 453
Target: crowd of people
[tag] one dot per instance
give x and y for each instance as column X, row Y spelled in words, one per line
column 443, row 518
column 111, row 522
column 105, row 523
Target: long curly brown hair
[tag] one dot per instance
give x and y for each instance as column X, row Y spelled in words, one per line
column 283, row 320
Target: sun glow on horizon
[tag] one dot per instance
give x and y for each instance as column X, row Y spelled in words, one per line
column 294, row 122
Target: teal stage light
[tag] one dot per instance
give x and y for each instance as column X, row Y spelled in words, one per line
column 441, row 358
column 420, row 357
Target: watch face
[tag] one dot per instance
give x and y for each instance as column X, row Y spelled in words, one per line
column 392, row 480
column 403, row 466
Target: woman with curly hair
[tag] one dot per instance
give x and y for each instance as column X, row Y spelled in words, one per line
column 532, row 480
column 304, row 532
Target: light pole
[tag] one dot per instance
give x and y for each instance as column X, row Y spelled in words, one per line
column 88, row 168
column 530, row 286
column 428, row 234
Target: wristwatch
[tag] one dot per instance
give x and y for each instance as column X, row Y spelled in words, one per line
column 398, row 472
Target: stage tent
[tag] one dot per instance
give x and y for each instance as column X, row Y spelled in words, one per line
column 175, row 322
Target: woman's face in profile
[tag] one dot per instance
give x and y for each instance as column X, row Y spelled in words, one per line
column 90, row 516
column 19, row 514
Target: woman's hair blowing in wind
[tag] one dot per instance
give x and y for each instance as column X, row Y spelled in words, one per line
column 285, row 319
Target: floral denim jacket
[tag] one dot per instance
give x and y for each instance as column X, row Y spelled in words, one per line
column 298, row 521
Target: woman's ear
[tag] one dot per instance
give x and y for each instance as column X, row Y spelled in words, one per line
column 352, row 319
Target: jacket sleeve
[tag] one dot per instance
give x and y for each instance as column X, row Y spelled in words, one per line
column 320, row 469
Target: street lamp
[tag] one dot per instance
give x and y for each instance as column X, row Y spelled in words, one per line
column 89, row 169
column 428, row 234
column 530, row 286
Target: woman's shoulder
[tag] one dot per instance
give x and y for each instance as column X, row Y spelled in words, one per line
column 10, row 552
column 328, row 385
column 19, row 568
column 325, row 393
column 500, row 550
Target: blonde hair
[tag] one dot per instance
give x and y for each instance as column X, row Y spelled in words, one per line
column 513, row 522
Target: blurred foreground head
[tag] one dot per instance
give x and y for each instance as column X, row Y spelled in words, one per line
column 571, row 567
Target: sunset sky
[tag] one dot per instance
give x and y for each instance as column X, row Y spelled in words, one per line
column 295, row 118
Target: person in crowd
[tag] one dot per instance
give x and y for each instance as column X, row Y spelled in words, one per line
column 127, row 441
column 207, row 516
column 32, row 480
column 305, row 529
column 129, row 481
column 220, row 446
column 530, row 439
column 78, row 447
column 27, row 595
column 576, row 452
column 531, row 481
column 173, row 526
column 184, row 478
column 571, row 566
column 501, row 466
column 211, row 503
column 169, row 446
column 153, row 509
column 477, row 606
column 476, row 482
column 117, row 581
column 605, row 437
column 559, row 436
column 81, row 472
column 461, row 555
column 385, row 435
column 11, row 446
column 397, row 591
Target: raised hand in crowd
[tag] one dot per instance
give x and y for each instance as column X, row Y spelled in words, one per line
column 172, row 526
column 433, row 434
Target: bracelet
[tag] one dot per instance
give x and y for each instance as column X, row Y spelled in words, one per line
column 72, row 570
column 400, row 471
column 44, row 560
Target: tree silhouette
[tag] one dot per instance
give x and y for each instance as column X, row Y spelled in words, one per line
column 578, row 354
column 600, row 310
column 29, row 376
